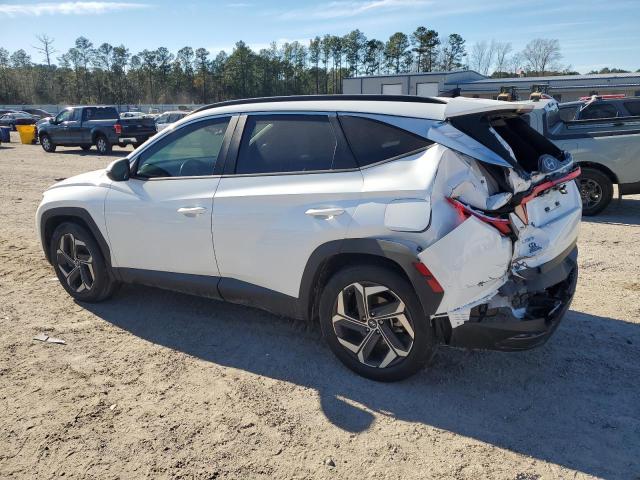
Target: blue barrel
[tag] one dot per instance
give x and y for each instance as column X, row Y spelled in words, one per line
column 5, row 134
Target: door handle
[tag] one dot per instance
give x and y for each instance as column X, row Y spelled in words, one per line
column 192, row 211
column 326, row 213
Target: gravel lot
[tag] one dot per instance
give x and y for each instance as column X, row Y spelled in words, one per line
column 153, row 384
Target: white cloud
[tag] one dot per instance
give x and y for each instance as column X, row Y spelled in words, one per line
column 67, row 8
column 349, row 8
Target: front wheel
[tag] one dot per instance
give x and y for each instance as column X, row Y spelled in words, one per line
column 103, row 146
column 47, row 143
column 374, row 323
column 79, row 264
column 596, row 190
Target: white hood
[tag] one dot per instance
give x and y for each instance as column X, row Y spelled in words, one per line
column 94, row 178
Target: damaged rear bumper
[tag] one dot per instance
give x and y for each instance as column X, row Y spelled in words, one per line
column 546, row 290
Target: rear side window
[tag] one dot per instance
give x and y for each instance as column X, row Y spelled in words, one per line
column 99, row 113
column 567, row 114
column 286, row 143
column 633, row 107
column 372, row 141
column 595, row 111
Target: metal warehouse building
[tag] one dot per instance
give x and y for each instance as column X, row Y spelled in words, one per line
column 472, row 84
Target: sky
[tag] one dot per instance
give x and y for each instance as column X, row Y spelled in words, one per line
column 592, row 33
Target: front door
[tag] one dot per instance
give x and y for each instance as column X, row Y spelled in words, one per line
column 160, row 219
column 294, row 186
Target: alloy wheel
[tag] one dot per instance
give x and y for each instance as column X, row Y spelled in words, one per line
column 46, row 142
column 590, row 191
column 373, row 323
column 75, row 263
column 101, row 145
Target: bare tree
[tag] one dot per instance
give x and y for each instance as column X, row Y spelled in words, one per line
column 481, row 56
column 502, row 50
column 46, row 47
column 542, row 55
column 514, row 64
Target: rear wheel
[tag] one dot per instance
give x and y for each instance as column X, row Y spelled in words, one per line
column 79, row 264
column 596, row 190
column 374, row 323
column 102, row 145
column 47, row 143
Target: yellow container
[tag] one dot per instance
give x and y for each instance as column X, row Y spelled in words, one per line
column 27, row 134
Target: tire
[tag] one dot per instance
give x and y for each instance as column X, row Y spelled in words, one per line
column 596, row 190
column 47, row 143
column 86, row 148
column 102, row 145
column 364, row 346
column 80, row 265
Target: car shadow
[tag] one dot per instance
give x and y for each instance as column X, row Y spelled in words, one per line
column 93, row 152
column 625, row 211
column 574, row 402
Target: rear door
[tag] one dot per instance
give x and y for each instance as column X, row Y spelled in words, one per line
column 291, row 185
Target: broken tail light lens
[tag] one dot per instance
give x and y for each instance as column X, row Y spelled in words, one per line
column 428, row 276
column 501, row 224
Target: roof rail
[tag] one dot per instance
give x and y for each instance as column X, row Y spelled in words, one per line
column 302, row 98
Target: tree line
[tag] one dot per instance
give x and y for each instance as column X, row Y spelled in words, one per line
column 109, row 74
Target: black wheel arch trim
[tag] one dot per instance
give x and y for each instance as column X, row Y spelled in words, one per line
column 71, row 213
column 403, row 254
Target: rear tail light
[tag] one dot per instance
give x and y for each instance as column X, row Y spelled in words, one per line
column 501, row 224
column 118, row 128
column 428, row 276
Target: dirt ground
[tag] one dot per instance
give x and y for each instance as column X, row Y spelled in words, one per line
column 153, row 384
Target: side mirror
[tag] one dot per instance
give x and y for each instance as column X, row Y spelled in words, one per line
column 118, row 170
column 52, row 120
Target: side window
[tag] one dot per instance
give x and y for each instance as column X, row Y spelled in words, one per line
column 373, row 141
column 568, row 114
column 286, row 143
column 190, row 151
column 633, row 107
column 595, row 111
column 64, row 116
column 76, row 115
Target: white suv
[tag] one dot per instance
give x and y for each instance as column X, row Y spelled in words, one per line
column 396, row 222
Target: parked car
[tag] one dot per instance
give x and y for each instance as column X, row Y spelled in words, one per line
column 167, row 118
column 4, row 110
column 397, row 222
column 99, row 126
column 606, row 148
column 598, row 107
column 17, row 118
column 39, row 113
column 131, row 114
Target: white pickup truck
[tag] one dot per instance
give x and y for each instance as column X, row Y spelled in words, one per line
column 607, row 150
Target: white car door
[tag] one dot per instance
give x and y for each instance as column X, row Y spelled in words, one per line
column 292, row 186
column 160, row 219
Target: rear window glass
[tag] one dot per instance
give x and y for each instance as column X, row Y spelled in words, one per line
column 633, row 107
column 372, row 141
column 100, row 113
column 595, row 111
